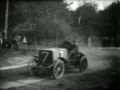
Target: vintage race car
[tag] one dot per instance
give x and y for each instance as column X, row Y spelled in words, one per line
column 57, row 60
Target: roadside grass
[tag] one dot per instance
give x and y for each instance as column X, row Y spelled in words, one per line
column 8, row 58
column 22, row 56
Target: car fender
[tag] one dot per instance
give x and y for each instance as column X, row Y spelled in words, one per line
column 79, row 55
column 83, row 58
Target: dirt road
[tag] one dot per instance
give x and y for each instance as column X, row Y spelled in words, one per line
column 103, row 73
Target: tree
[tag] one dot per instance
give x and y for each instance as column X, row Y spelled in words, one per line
column 108, row 24
column 85, row 19
column 45, row 19
column 111, row 18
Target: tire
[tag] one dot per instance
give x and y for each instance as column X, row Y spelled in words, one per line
column 58, row 69
column 83, row 64
column 32, row 67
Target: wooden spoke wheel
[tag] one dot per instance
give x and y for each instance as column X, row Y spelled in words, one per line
column 58, row 69
column 32, row 67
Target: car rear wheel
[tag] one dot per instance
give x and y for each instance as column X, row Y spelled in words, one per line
column 32, row 67
column 58, row 69
column 83, row 64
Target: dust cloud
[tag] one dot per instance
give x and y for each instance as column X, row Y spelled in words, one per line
column 97, row 65
column 98, row 59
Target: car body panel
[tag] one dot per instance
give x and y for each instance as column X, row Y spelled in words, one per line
column 51, row 55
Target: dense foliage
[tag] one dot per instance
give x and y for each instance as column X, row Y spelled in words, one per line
column 51, row 20
column 45, row 20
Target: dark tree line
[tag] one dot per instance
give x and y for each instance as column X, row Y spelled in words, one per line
column 103, row 24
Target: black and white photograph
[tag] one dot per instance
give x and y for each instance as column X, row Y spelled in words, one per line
column 60, row 45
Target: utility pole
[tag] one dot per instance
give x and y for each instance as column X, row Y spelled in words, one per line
column 6, row 19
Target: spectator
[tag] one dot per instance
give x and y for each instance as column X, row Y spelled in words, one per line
column 1, row 41
column 15, row 44
column 29, row 43
column 24, row 40
column 89, row 42
column 6, row 44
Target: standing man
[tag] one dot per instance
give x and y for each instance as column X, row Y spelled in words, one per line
column 24, row 40
column 1, row 41
column 29, row 43
column 89, row 42
column 14, row 43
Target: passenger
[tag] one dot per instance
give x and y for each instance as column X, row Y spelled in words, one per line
column 75, row 46
column 74, row 49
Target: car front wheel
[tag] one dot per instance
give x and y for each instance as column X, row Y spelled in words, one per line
column 58, row 69
column 32, row 67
